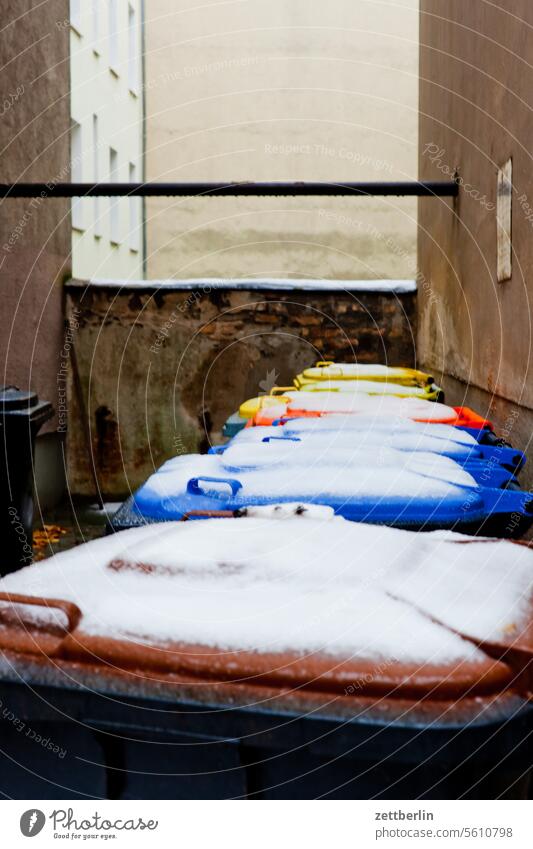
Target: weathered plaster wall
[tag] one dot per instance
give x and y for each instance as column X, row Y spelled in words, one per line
column 281, row 90
column 476, row 99
column 162, row 369
column 35, row 234
column 513, row 422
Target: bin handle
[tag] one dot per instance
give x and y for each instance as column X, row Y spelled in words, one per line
column 325, row 363
column 194, row 488
column 281, row 439
column 279, row 390
column 71, row 610
column 207, row 514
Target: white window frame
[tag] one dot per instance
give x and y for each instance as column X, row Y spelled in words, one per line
column 96, row 25
column 98, row 229
column 113, row 40
column 114, row 208
column 135, row 213
column 76, row 173
column 75, row 15
column 133, row 57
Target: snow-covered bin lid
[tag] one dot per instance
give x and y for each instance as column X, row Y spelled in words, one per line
column 393, row 495
column 358, row 371
column 366, row 388
column 356, row 458
column 331, row 597
column 370, row 387
column 348, row 428
column 370, row 406
column 333, row 482
column 401, row 434
column 346, row 402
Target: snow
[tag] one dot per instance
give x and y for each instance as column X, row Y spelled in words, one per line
column 357, row 370
column 333, row 402
column 397, row 439
column 289, row 509
column 368, row 481
column 486, row 599
column 355, row 458
column 109, row 507
column 426, row 436
column 370, row 406
column 40, row 617
column 365, row 387
column 270, row 584
column 366, row 424
column 203, row 285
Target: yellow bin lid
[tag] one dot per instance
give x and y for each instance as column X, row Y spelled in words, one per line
column 328, row 370
column 431, row 392
column 249, row 408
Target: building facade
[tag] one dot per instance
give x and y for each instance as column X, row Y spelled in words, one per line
column 475, row 253
column 281, row 91
column 106, row 105
column 35, row 252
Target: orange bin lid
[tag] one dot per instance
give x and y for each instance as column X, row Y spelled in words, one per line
column 465, row 417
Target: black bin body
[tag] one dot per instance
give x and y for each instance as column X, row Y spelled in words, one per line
column 57, row 742
column 21, row 417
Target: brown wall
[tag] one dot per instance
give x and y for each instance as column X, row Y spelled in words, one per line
column 476, row 98
column 163, row 367
column 35, row 235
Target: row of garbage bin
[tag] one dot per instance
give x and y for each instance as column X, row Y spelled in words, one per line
column 391, row 456
column 303, row 639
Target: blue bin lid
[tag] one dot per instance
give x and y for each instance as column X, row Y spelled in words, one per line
column 277, row 452
column 395, row 496
column 416, row 436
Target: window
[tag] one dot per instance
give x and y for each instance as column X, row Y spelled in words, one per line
column 504, row 203
column 114, row 221
column 95, row 11
column 135, row 213
column 75, row 15
column 76, row 173
column 96, row 177
column 113, row 36
column 132, row 50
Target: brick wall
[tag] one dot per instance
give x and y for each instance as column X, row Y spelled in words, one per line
column 163, row 366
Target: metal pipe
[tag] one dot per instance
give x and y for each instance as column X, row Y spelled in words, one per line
column 442, row 188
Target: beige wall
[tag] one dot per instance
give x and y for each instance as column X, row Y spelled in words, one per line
column 281, row 91
column 476, row 94
column 35, row 234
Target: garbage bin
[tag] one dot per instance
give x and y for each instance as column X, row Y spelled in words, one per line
column 288, row 394
column 324, row 404
column 417, row 711
column 406, row 435
column 430, row 392
column 294, row 451
column 21, row 417
column 344, row 377
column 399, row 497
column 329, row 370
